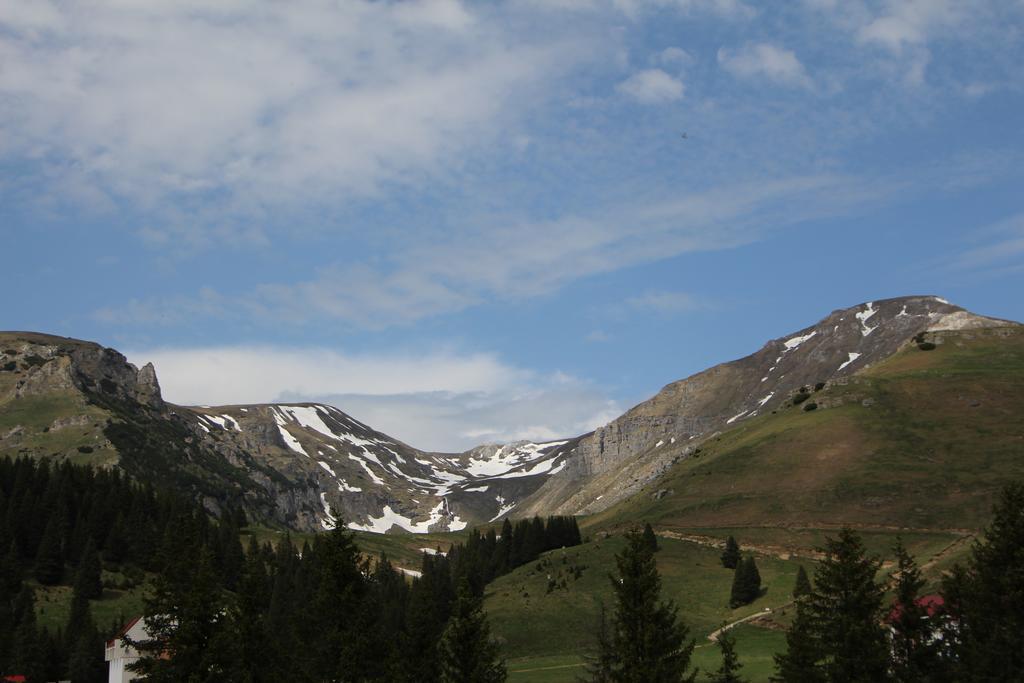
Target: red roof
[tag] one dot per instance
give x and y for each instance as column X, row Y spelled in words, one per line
column 931, row 604
column 124, row 630
column 15, row 679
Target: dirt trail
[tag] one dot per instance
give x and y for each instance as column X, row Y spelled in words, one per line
column 945, row 552
column 713, row 636
column 778, row 551
column 786, row 553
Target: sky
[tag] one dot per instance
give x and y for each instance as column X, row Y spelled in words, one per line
column 468, row 222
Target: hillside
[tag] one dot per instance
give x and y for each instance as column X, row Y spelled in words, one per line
column 620, row 458
column 920, row 440
column 306, row 466
column 303, row 466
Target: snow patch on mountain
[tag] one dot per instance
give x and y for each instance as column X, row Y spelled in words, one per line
column 864, row 316
column 853, row 356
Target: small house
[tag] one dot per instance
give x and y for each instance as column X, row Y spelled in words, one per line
column 120, row 655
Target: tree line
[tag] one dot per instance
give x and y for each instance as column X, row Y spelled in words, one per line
column 62, row 524
column 322, row 611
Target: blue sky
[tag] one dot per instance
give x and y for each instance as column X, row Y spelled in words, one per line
column 467, row 222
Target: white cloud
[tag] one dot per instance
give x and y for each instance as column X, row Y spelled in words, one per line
column 652, row 86
column 763, row 60
column 910, row 22
column 262, row 103
column 675, row 56
column 434, row 401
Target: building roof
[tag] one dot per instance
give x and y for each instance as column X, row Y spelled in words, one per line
column 124, row 631
column 931, row 603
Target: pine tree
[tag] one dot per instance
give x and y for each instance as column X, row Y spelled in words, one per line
column 466, row 652
column 803, row 584
column 10, row 570
column 29, row 651
column 183, row 615
column 846, row 610
column 746, row 583
column 801, row 662
column 731, row 554
column 85, row 661
column 914, row 652
column 985, row 600
column 647, row 642
column 601, row 664
column 87, row 579
column 650, row 539
column 728, row 672
column 49, row 560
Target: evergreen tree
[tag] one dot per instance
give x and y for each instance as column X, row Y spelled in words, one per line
column 647, row 642
column 115, row 549
column 49, row 560
column 914, row 652
column 985, row 600
column 87, row 579
column 846, row 611
column 650, row 539
column 85, row 662
column 746, row 583
column 601, row 664
column 29, row 647
column 183, row 614
column 85, row 658
column 801, row 662
column 731, row 555
column 728, row 672
column 803, row 584
column 466, row 652
column 10, row 570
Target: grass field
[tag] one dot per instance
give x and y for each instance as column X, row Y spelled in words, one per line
column 545, row 635
column 54, row 602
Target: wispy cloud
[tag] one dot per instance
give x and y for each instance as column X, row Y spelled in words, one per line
column 439, row 400
column 518, row 259
column 652, row 86
column 256, row 105
column 765, row 61
column 1003, row 247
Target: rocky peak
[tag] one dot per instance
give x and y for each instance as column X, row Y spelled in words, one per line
column 670, row 424
column 147, row 388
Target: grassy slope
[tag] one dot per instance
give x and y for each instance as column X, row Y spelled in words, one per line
column 545, row 635
column 941, row 432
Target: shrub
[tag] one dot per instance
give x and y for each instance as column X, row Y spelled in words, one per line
column 811, row 406
column 85, row 449
column 926, row 346
column 800, row 398
column 819, row 386
column 9, row 366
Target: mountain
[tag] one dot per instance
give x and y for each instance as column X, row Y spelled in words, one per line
column 618, row 459
column 299, row 465
column 305, row 466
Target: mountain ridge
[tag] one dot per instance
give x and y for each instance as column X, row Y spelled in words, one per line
column 307, row 465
